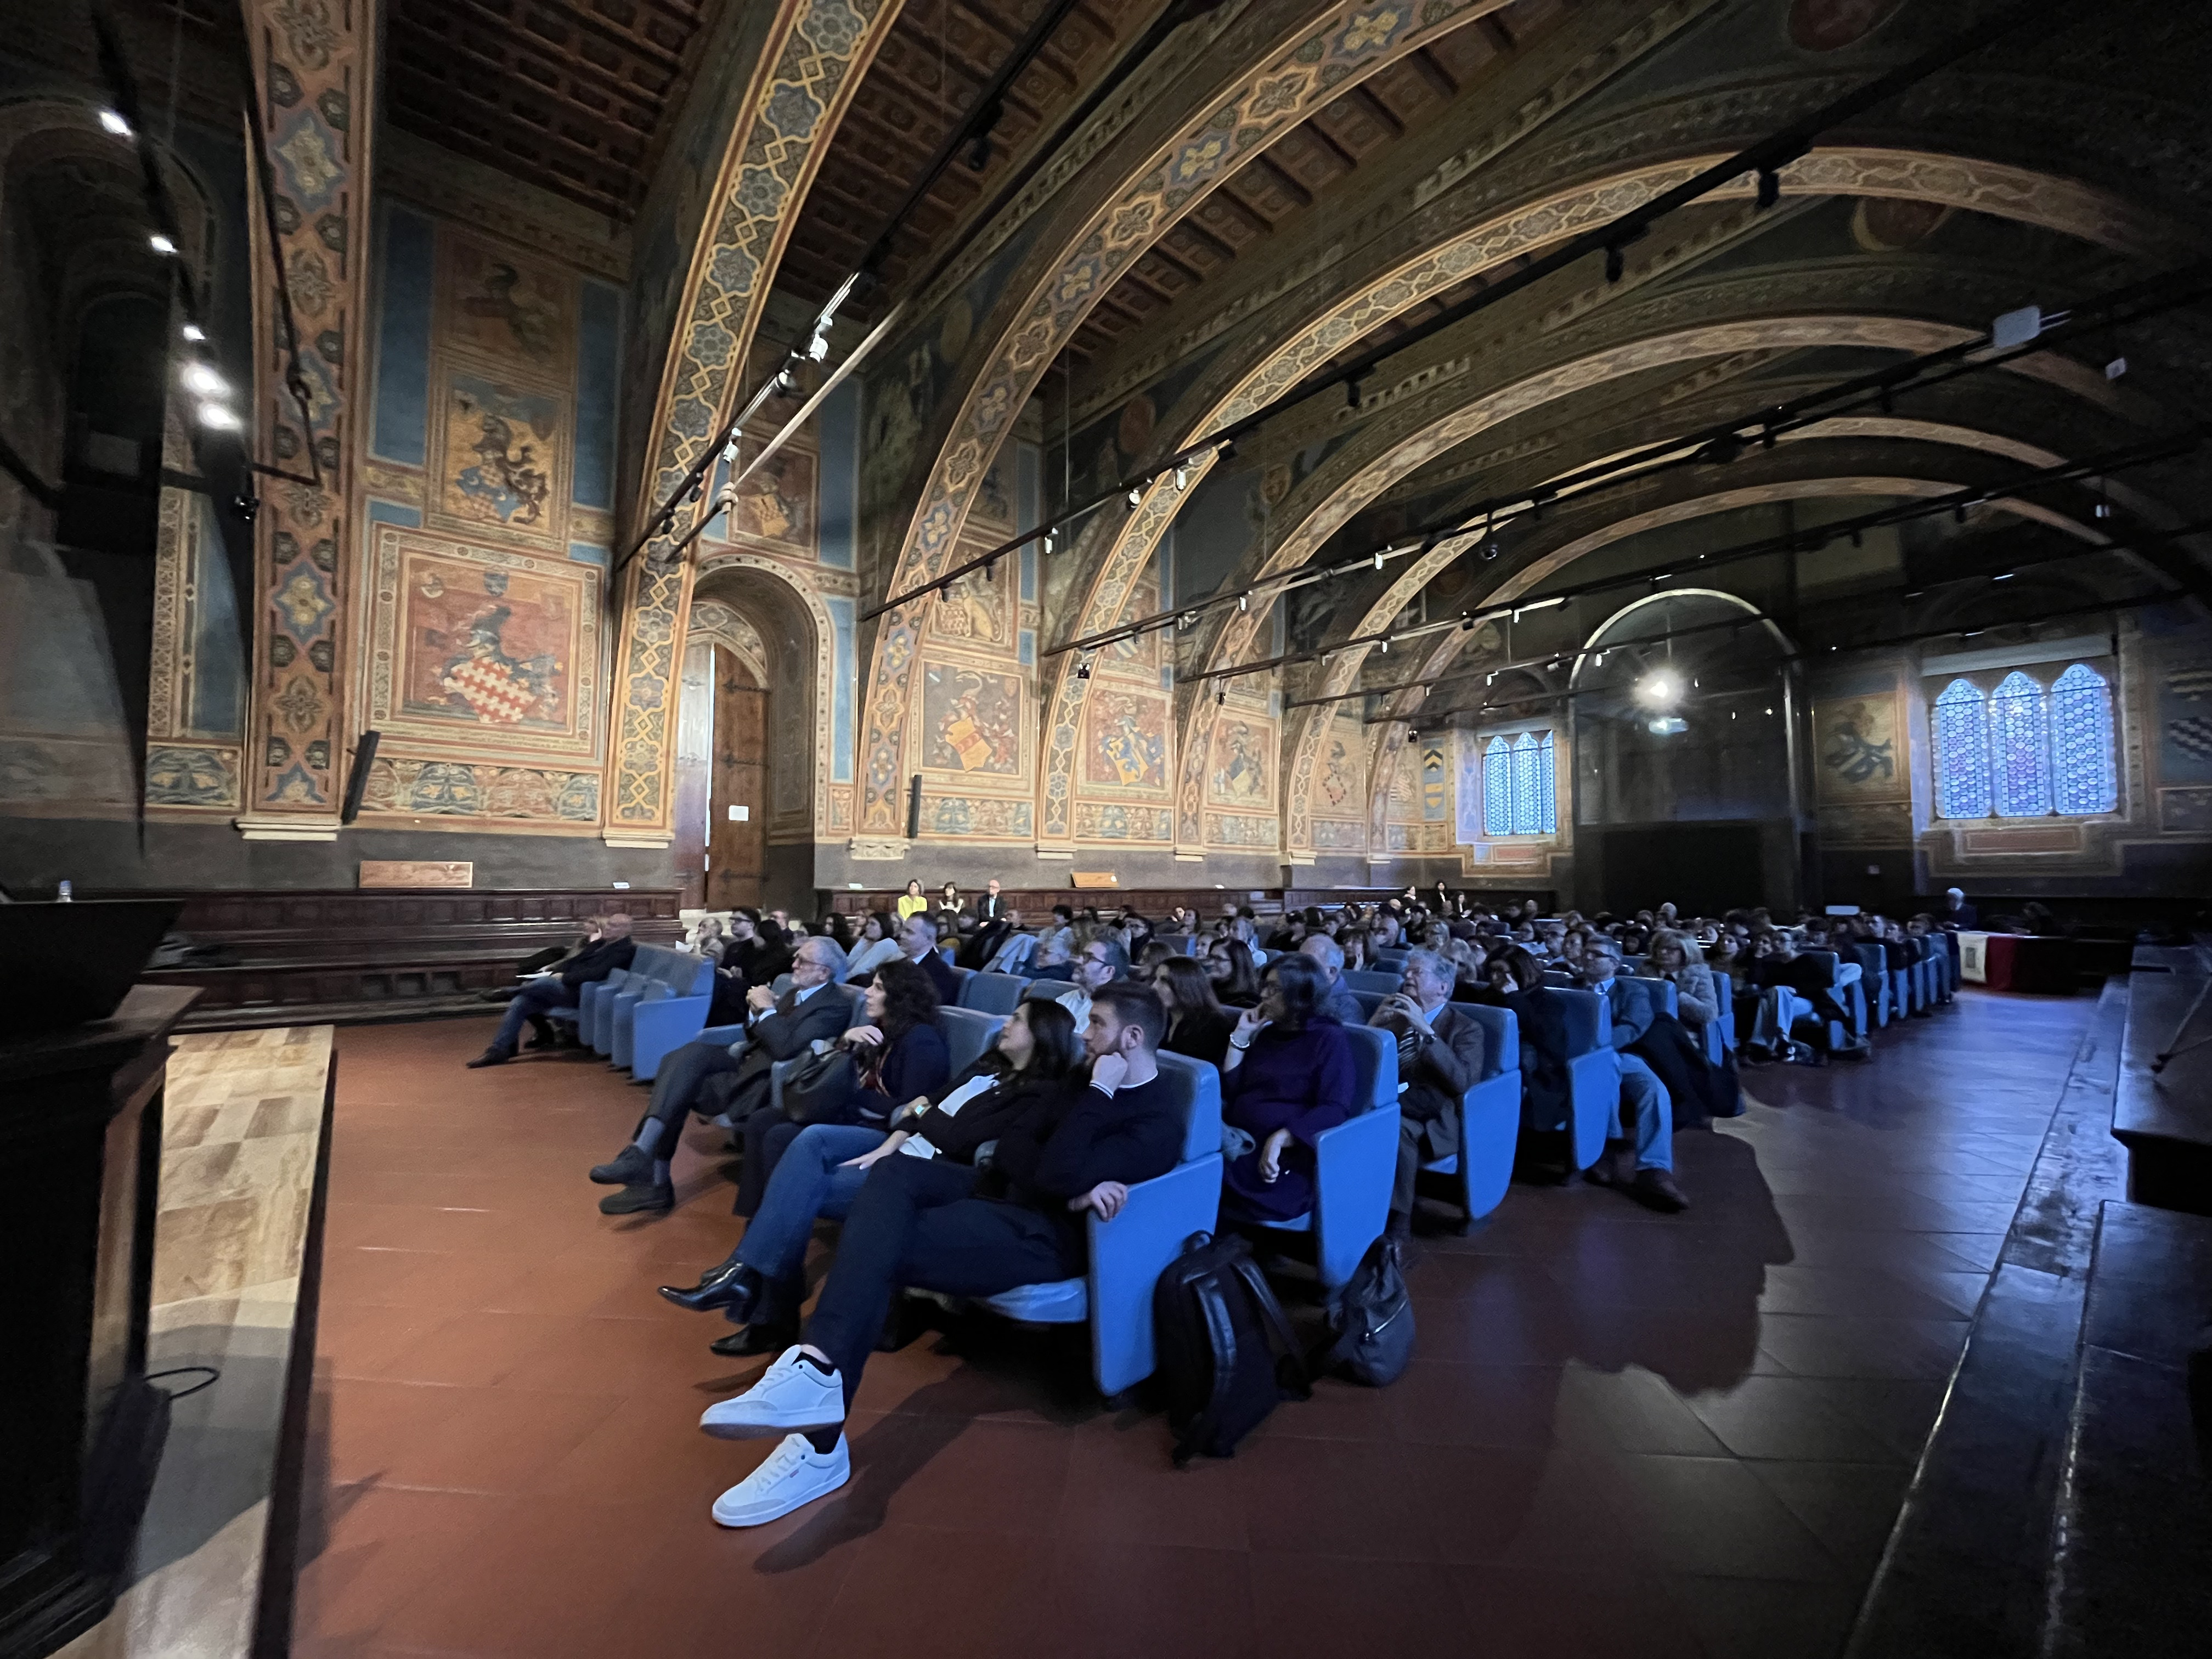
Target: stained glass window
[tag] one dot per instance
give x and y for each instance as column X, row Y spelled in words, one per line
column 1525, row 821
column 2083, row 772
column 2019, row 748
column 2023, row 752
column 1962, row 752
column 1496, row 789
column 1519, row 782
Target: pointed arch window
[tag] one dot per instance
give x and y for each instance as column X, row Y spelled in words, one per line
column 1520, row 781
column 2026, row 749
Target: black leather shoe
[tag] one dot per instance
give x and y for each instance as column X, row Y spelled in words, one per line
column 640, row 1198
column 631, row 1167
column 492, row 1057
column 755, row 1340
column 731, row 1285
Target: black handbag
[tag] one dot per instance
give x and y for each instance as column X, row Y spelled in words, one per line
column 1371, row 1322
column 820, row 1090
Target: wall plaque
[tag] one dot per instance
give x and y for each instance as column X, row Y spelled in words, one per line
column 415, row 872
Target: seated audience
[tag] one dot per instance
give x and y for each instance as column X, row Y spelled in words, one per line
column 777, row 1028
column 1675, row 956
column 706, row 938
column 1957, row 913
column 929, row 1224
column 1287, row 1077
column 561, row 988
column 898, row 1052
column 1663, row 1083
column 1198, row 1025
column 760, row 1285
column 876, row 944
column 755, row 953
column 1055, row 958
column 1336, row 999
column 1439, row 1060
column 1016, row 948
column 1100, row 965
column 914, row 902
column 1235, row 980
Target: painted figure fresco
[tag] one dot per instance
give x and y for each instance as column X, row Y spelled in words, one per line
column 1240, row 763
column 1341, row 782
column 777, row 504
column 506, row 307
column 975, row 607
column 1128, row 741
column 971, row 721
column 1856, row 743
column 487, row 647
column 502, row 450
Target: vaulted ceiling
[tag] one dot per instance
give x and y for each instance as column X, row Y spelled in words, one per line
column 575, row 96
column 1304, row 172
column 938, row 57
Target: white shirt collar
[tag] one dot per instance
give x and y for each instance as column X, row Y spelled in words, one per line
column 800, row 992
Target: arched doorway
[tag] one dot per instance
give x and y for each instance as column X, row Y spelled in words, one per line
column 746, row 748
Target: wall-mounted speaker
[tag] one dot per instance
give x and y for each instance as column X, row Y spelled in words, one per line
column 364, row 757
column 914, row 807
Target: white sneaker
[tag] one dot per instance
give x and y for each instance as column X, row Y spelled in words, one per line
column 792, row 1397
column 795, row 1474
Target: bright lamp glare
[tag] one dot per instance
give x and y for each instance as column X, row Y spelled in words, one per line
column 1661, row 689
column 115, row 123
column 194, row 332
column 198, row 377
column 214, row 416
column 1666, row 725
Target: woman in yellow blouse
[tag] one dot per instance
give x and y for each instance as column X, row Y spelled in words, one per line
column 911, row 901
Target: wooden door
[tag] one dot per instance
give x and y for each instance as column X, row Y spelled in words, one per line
column 737, row 851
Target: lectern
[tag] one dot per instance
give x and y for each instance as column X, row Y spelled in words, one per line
column 80, row 1428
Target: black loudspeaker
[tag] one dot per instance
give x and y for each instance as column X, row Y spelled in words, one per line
column 914, row 807
column 364, row 757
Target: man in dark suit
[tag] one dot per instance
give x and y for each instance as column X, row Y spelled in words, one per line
column 917, row 941
column 1439, row 1060
column 992, row 922
column 1957, row 913
column 563, row 989
column 776, row 1029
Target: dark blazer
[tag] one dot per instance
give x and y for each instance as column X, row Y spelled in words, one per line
column 595, row 961
column 1202, row 1036
column 1966, row 916
column 988, row 908
column 916, row 1063
column 1545, row 1093
column 1437, row 1071
column 795, row 1025
column 942, row 976
column 1073, row 1138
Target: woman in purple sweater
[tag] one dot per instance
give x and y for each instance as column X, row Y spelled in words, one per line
column 1286, row 1077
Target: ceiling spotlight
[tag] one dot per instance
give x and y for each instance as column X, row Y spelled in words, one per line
column 198, row 377
column 1048, row 541
column 1243, row 601
column 1666, row 725
column 1661, row 689
column 161, row 243
column 1083, row 671
column 2005, row 577
column 194, row 332
column 1378, row 561
column 216, row 417
column 115, row 123
column 2104, row 509
column 1135, row 501
column 1183, row 478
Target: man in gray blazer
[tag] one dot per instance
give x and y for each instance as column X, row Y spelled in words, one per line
column 1439, row 1060
column 776, row 1029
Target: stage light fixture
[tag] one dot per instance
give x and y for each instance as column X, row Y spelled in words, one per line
column 1661, row 689
column 115, row 123
column 218, row 418
column 198, row 377
column 161, row 243
column 194, row 332
column 1667, row 726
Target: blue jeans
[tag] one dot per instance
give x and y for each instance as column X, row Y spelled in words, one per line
column 810, row 1181
column 1646, row 1103
column 531, row 1002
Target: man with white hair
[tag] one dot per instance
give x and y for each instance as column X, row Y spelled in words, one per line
column 1336, row 999
column 1957, row 913
column 1439, row 1060
column 561, row 988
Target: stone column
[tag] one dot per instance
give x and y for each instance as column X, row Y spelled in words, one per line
column 315, row 82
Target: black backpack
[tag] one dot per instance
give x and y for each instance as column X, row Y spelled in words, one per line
column 1226, row 1354
column 1373, row 1321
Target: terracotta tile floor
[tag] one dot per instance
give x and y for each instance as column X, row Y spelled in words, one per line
column 1625, row 1433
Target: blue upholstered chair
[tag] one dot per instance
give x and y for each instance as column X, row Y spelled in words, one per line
column 1390, row 961
column 1358, row 980
column 1489, row 1117
column 961, row 975
column 993, row 994
column 1355, row 1163
column 1129, row 1253
column 1177, row 943
column 673, row 980
column 1593, row 1077
column 1720, row 1032
column 967, row 1034
column 1874, row 975
column 1835, row 1032
column 1369, row 1001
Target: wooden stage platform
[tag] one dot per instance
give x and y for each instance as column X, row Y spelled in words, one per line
column 236, row 1260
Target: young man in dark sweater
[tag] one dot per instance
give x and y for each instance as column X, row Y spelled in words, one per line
column 926, row 1222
